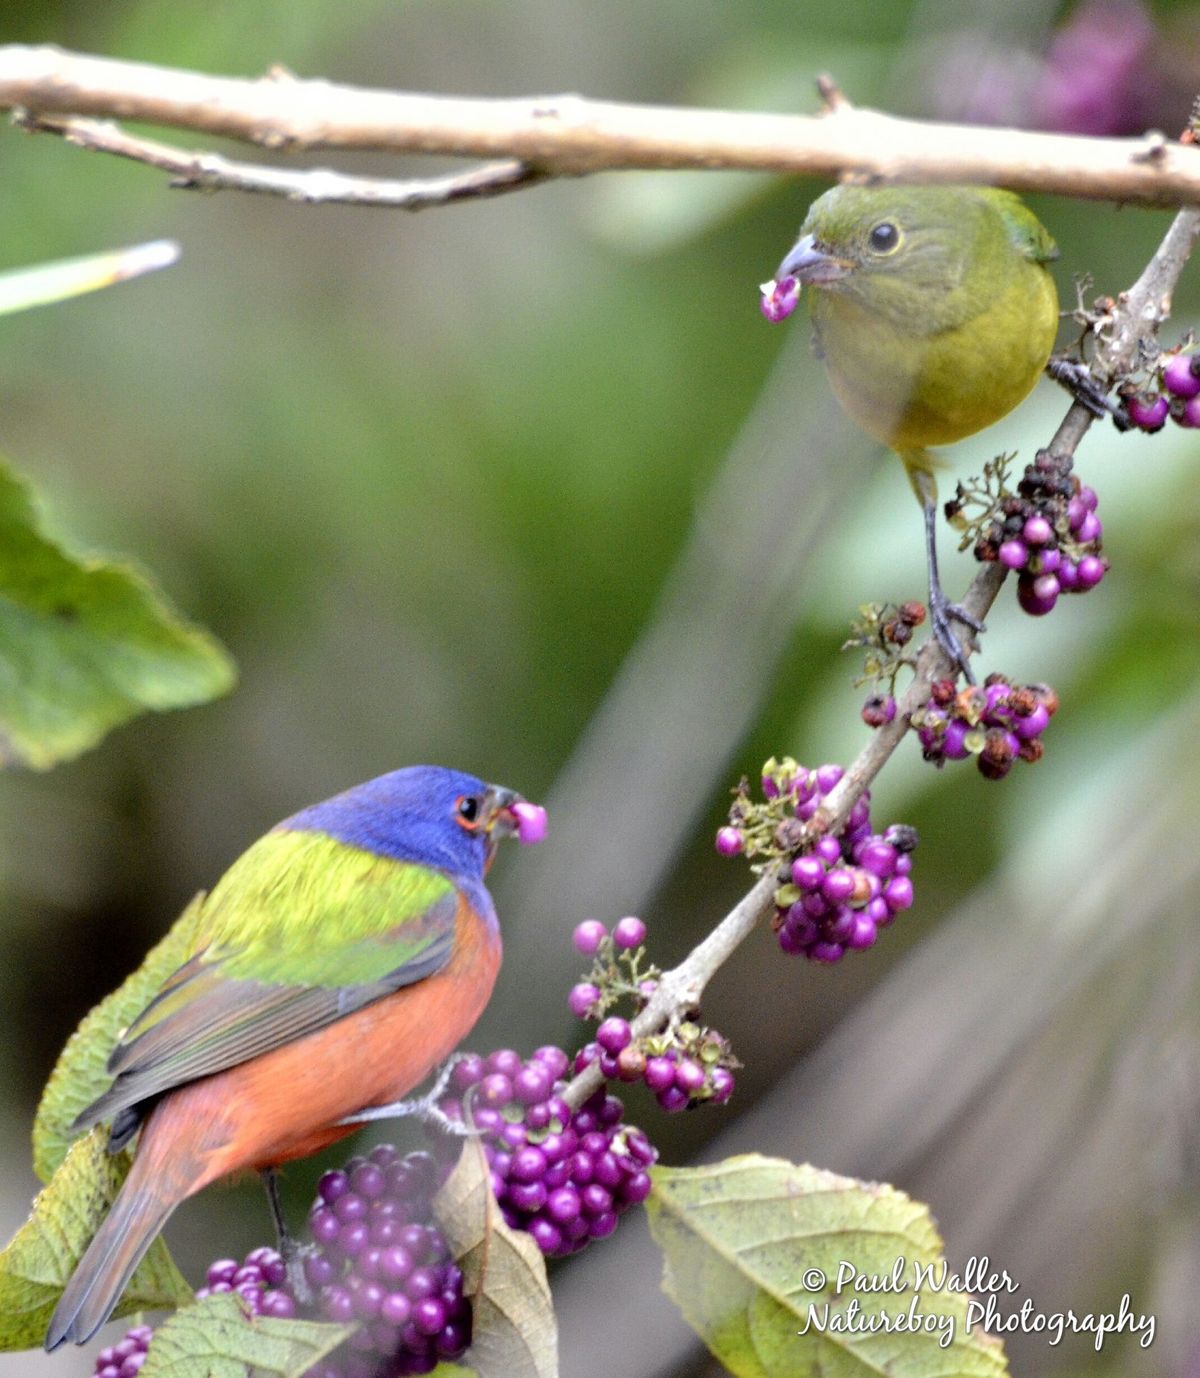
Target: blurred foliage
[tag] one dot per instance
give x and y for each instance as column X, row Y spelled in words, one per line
column 427, row 478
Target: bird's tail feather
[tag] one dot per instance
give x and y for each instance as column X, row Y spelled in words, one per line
column 103, row 1272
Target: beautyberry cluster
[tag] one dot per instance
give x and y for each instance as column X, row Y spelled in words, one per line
column 1047, row 532
column 844, row 887
column 374, row 1259
column 996, row 722
column 684, row 1065
column 380, row 1262
column 564, row 1176
column 1179, row 399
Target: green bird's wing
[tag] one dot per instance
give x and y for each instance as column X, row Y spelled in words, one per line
column 300, row 931
column 1029, row 236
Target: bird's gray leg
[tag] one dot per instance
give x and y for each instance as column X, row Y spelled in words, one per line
column 941, row 611
column 424, row 1108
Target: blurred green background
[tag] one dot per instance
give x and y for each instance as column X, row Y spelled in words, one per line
column 530, row 488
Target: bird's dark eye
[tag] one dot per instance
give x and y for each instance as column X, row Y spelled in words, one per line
column 884, row 237
column 466, row 810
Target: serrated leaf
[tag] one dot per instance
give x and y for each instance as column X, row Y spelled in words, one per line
column 514, row 1333
column 747, row 1242
column 80, row 1074
column 42, row 1255
column 85, row 644
column 45, row 283
column 216, row 1338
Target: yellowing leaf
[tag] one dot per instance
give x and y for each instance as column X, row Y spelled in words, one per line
column 754, row 1251
column 514, row 1333
column 35, row 1266
column 80, row 1074
column 46, row 283
column 85, row 643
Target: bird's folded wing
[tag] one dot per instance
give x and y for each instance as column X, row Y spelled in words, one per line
column 300, row 932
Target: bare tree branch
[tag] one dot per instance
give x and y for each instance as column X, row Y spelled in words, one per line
column 212, row 172
column 1135, row 320
column 570, row 136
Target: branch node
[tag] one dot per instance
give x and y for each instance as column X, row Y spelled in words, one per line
column 832, row 98
column 1154, row 150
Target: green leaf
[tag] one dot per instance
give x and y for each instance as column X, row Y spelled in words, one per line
column 36, row 1265
column 215, row 1338
column 81, row 1074
column 71, row 277
column 753, row 1248
column 514, row 1333
column 85, row 644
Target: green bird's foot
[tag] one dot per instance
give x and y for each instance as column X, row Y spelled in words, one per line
column 942, row 615
column 1078, row 381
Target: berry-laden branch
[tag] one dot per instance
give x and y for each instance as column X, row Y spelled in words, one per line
column 1124, row 337
column 557, row 136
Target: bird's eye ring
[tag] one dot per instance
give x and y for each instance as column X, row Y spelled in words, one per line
column 884, row 238
column 466, row 812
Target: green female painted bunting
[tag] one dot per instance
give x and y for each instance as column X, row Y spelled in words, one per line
column 935, row 314
column 336, row 962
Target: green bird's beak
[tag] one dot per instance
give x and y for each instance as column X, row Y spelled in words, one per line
column 807, row 263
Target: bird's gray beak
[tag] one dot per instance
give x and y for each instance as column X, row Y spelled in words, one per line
column 498, row 802
column 806, row 263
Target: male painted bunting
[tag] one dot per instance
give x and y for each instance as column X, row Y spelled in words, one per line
column 935, row 314
column 342, row 957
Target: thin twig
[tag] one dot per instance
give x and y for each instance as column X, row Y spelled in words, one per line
column 1138, row 316
column 570, row 136
column 212, row 172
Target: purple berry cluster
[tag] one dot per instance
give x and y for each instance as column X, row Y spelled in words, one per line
column 1179, row 398
column 778, row 298
column 685, row 1066
column 563, row 1176
column 689, row 1065
column 1048, row 533
column 844, row 887
column 379, row 1261
column 375, row 1260
column 127, row 1356
column 845, row 890
column 996, row 722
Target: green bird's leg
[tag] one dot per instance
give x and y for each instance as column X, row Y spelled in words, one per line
column 425, row 1107
column 1077, row 378
column 941, row 610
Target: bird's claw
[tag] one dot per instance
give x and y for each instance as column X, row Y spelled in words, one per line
column 424, row 1108
column 1077, row 378
column 941, row 614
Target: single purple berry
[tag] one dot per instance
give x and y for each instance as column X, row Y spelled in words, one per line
column 629, row 933
column 659, row 1073
column 1037, row 531
column 689, row 1076
column 826, row 952
column 808, row 872
column 1189, row 414
column 729, row 841
column 581, row 998
column 588, row 936
column 1090, row 571
column 672, row 1099
column 1090, row 529
column 1180, row 376
column 828, row 776
column 898, row 893
column 613, row 1035
column 1148, row 414
column 554, row 1059
column 1014, row 554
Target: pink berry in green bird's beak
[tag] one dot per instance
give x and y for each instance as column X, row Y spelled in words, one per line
column 531, row 822
column 780, row 297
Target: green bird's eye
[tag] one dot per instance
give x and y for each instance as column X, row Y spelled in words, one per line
column 466, row 811
column 884, row 238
